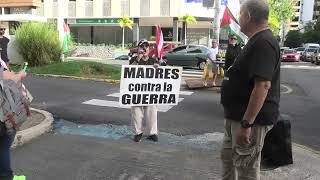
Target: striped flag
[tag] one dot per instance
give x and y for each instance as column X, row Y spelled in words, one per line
column 66, row 37
column 231, row 25
column 159, row 43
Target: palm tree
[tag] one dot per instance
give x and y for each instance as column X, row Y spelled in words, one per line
column 124, row 22
column 187, row 19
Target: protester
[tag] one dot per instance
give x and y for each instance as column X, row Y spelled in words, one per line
column 4, row 41
column 149, row 112
column 5, row 139
column 250, row 95
column 233, row 51
column 211, row 64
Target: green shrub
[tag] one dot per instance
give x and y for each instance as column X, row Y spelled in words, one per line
column 39, row 43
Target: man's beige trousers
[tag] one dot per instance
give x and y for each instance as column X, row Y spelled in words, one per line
column 239, row 162
column 149, row 113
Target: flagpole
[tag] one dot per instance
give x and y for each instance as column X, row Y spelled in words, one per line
column 216, row 21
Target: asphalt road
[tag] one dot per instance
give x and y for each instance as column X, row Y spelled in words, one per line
column 198, row 113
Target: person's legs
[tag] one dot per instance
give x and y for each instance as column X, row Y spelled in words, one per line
column 137, row 114
column 226, row 153
column 151, row 120
column 246, row 159
column 215, row 71
column 5, row 163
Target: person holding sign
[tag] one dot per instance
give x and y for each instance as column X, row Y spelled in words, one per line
column 147, row 112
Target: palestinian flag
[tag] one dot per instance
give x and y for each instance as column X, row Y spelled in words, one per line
column 66, row 37
column 159, row 43
column 230, row 24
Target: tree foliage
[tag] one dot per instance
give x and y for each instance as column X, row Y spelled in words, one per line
column 293, row 39
column 281, row 11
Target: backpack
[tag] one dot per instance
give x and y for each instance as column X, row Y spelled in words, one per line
column 14, row 106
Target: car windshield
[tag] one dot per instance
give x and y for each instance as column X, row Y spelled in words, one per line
column 289, row 51
column 300, row 49
column 311, row 50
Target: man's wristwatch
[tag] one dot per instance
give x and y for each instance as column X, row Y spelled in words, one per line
column 245, row 124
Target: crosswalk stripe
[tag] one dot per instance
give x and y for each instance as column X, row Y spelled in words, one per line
column 300, row 67
column 116, row 104
column 187, row 93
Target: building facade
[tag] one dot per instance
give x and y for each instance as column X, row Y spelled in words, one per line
column 96, row 21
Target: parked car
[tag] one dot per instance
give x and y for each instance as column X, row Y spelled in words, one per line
column 311, row 45
column 307, row 54
column 282, row 49
column 122, row 57
column 290, row 55
column 188, row 56
column 300, row 50
column 316, row 57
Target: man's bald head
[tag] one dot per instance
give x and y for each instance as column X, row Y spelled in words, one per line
column 258, row 10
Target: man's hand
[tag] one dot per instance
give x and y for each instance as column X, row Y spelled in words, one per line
column 156, row 65
column 243, row 136
column 15, row 77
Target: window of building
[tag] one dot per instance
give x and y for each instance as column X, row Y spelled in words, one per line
column 106, row 8
column 125, row 7
column 72, row 8
column 208, row 3
column 294, row 26
column 165, row 7
column 89, row 8
column 295, row 19
column 144, row 7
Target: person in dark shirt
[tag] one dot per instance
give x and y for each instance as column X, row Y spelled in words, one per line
column 250, row 95
column 149, row 112
column 233, row 51
column 4, row 41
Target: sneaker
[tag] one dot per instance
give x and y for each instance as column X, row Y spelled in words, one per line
column 153, row 138
column 137, row 138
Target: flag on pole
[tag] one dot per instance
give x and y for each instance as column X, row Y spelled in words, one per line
column 66, row 37
column 159, row 43
column 230, row 24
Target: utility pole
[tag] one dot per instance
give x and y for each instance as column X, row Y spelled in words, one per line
column 216, row 21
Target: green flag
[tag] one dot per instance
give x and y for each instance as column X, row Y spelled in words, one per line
column 19, row 178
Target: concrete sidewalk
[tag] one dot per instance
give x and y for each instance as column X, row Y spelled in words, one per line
column 111, row 154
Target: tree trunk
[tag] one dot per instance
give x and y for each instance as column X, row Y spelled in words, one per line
column 185, row 33
column 123, row 37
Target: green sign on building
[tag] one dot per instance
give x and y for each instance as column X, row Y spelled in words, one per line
column 98, row 21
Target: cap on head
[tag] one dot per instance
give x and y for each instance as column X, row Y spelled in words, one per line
column 143, row 42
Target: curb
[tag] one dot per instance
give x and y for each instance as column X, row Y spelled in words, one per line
column 306, row 148
column 79, row 78
column 27, row 135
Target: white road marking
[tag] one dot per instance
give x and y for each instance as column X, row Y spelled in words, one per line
column 116, row 104
column 287, row 66
column 288, row 89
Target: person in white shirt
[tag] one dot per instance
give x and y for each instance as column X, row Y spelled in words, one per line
column 211, row 61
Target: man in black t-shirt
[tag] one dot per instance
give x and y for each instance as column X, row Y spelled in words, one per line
column 250, row 94
column 4, row 41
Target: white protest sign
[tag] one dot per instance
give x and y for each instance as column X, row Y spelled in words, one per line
column 146, row 85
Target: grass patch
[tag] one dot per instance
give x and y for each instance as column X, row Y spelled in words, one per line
column 76, row 68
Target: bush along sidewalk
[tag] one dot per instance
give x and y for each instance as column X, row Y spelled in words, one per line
column 81, row 69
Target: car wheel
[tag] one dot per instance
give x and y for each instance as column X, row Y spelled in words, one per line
column 202, row 65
